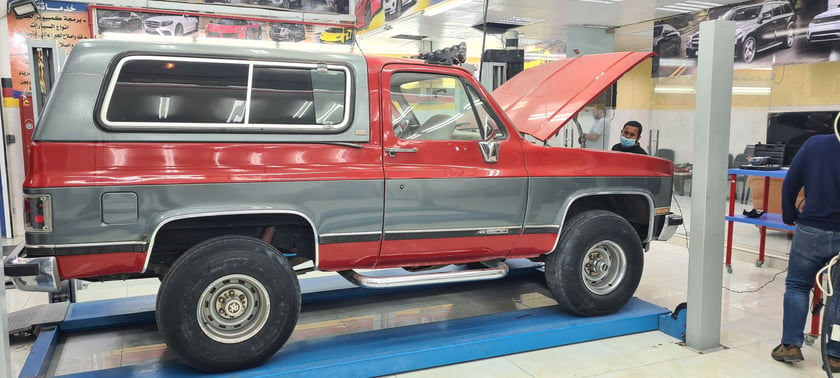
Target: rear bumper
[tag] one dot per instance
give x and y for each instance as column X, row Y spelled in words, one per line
column 670, row 222
column 32, row 274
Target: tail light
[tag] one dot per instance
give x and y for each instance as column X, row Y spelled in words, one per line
column 37, row 213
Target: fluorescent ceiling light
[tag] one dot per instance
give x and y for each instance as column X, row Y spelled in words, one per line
column 439, row 8
column 672, row 10
column 688, row 9
column 598, row 1
column 744, row 91
column 706, row 3
column 754, row 91
column 688, row 6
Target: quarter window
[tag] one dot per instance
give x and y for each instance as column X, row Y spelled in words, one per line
column 183, row 94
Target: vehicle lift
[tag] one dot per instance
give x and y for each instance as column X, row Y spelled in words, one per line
column 371, row 353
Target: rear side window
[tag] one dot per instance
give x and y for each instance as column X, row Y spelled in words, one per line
column 196, row 94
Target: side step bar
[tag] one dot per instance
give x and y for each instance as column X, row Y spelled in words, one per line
column 494, row 270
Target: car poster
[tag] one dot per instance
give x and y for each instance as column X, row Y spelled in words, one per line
column 313, row 6
column 132, row 21
column 64, row 22
column 768, row 33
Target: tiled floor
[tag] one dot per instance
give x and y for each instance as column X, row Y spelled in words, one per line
column 751, row 325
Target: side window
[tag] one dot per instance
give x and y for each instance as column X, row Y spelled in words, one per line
column 437, row 107
column 183, row 94
column 295, row 96
column 778, row 10
column 178, row 92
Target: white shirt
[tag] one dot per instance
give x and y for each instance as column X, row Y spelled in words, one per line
column 598, row 128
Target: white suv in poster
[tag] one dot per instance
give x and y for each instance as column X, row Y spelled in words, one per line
column 825, row 26
column 171, row 24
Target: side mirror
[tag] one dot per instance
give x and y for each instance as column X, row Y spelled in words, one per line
column 765, row 17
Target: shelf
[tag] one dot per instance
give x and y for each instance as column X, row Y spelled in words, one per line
column 766, row 220
column 778, row 173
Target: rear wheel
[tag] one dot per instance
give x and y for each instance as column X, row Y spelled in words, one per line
column 789, row 37
column 597, row 265
column 228, row 303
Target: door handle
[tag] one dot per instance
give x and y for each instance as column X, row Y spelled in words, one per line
column 392, row 152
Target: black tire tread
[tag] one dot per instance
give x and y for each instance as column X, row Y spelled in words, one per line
column 562, row 269
column 175, row 313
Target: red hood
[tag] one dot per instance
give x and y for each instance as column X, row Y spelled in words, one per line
column 542, row 99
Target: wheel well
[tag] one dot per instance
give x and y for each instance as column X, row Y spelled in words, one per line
column 635, row 208
column 292, row 234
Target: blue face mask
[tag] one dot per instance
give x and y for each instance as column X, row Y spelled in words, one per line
column 627, row 142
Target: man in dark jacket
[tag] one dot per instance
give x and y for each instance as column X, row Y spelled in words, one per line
column 630, row 134
column 816, row 239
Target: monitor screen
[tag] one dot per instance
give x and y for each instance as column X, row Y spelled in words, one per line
column 793, row 128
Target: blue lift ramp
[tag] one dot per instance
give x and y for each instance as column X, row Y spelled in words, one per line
column 377, row 352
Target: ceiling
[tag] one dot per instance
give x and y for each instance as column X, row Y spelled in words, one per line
column 629, row 20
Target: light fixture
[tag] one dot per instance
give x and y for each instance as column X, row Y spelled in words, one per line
column 23, row 8
column 743, row 91
column 439, row 8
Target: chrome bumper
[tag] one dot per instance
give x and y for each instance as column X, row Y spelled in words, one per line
column 669, row 226
column 32, row 274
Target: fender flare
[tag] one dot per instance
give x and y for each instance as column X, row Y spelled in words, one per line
column 561, row 217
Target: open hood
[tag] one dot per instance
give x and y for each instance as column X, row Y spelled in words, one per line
column 543, row 99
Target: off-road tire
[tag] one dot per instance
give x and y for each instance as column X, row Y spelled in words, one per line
column 592, row 243
column 243, row 275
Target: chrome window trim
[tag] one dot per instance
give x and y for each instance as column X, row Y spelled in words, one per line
column 234, row 212
column 245, row 126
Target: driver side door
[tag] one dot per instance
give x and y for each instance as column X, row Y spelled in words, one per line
column 453, row 192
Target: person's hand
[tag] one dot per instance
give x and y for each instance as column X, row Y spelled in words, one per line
column 581, row 139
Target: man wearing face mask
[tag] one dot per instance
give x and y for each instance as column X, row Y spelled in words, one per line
column 630, row 134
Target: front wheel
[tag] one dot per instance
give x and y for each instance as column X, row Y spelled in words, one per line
column 748, row 49
column 597, row 265
column 228, row 303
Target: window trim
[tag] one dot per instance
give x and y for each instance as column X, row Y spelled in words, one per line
column 246, row 126
column 465, row 84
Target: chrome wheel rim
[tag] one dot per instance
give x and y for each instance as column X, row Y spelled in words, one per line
column 790, row 38
column 233, row 308
column 604, row 267
column 749, row 50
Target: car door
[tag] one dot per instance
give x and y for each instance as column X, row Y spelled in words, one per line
column 766, row 33
column 449, row 195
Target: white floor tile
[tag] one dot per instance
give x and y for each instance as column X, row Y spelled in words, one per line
column 577, row 360
column 649, row 347
column 490, row 368
column 636, row 372
column 727, row 363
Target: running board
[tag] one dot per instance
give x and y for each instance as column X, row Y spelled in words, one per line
column 494, row 270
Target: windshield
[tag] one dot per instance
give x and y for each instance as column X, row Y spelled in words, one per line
column 123, row 14
column 335, row 30
column 231, row 21
column 742, row 14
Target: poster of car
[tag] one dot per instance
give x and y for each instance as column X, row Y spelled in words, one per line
column 767, row 33
column 134, row 21
column 314, row 6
